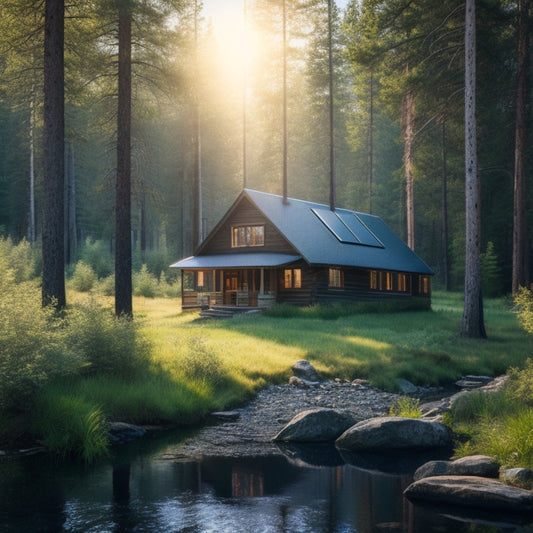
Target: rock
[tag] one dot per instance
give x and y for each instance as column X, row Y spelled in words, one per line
column 406, row 387
column 306, row 372
column 120, row 432
column 297, row 382
column 520, row 477
column 473, row 465
column 394, row 433
column 471, row 491
column 317, row 425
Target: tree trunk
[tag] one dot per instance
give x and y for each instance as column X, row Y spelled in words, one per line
column 445, row 261
column 473, row 322
column 520, row 271
column 408, row 108
column 53, row 245
column 123, row 283
column 31, row 221
column 371, row 144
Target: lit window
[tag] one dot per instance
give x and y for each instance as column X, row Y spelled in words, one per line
column 373, row 279
column 386, row 281
column 403, row 284
column 247, row 236
column 424, row 285
column 293, row 278
column 336, row 278
column 200, row 280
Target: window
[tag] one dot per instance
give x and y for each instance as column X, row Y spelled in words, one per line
column 293, row 278
column 423, row 285
column 247, row 236
column 336, row 278
column 374, row 279
column 386, row 281
column 403, row 283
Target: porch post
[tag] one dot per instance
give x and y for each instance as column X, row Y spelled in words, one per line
column 262, row 284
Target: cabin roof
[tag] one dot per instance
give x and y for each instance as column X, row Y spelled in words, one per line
column 322, row 237
column 247, row 260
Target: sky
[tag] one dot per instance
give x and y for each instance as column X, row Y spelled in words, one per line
column 219, row 10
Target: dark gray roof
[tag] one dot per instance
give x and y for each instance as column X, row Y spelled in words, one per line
column 255, row 260
column 322, row 237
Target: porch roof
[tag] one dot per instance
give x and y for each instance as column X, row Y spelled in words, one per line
column 244, row 260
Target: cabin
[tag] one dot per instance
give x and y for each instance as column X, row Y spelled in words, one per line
column 268, row 249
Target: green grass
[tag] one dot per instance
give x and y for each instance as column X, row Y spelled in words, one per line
column 424, row 347
column 196, row 366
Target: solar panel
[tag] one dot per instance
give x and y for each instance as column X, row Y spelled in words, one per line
column 347, row 227
column 336, row 226
column 359, row 228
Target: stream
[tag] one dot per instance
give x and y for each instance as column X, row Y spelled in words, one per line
column 149, row 486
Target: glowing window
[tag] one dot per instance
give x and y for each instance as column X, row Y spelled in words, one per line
column 293, row 278
column 336, row 279
column 247, row 236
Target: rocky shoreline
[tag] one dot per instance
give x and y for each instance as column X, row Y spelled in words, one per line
column 248, row 431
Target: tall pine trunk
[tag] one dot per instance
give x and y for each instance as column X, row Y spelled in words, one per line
column 473, row 322
column 53, row 245
column 123, row 248
column 408, row 118
column 445, row 261
column 520, row 271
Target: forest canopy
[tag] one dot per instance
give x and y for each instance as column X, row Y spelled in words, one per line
column 398, row 70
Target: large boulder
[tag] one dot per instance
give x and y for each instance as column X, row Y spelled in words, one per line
column 317, row 425
column 473, row 465
column 471, row 491
column 306, row 372
column 394, row 432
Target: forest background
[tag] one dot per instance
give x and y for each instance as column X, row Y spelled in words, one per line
column 398, row 116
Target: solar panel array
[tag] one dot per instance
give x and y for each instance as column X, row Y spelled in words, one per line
column 347, row 227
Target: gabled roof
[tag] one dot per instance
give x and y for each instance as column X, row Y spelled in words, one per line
column 324, row 237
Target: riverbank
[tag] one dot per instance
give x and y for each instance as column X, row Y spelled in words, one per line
column 248, row 431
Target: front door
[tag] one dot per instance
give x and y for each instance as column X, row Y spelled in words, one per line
column 231, row 286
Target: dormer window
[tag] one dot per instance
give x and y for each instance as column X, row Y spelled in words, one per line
column 247, row 236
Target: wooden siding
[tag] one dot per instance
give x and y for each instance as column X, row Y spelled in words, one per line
column 245, row 214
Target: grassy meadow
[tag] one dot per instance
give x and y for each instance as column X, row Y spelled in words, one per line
column 169, row 367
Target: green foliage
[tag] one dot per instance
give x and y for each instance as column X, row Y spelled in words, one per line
column 33, row 345
column 70, row 426
column 491, row 273
column 524, row 303
column 20, row 259
column 499, row 423
column 97, row 255
column 145, row 283
column 406, row 407
column 84, row 278
column 111, row 345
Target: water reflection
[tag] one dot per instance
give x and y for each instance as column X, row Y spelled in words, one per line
column 148, row 487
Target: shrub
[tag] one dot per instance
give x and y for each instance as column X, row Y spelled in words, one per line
column 98, row 256
column 20, row 259
column 84, row 278
column 524, row 304
column 33, row 345
column 145, row 283
column 110, row 345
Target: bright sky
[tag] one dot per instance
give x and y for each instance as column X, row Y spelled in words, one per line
column 218, row 10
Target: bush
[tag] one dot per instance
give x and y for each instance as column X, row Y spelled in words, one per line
column 33, row 345
column 84, row 278
column 524, row 304
column 110, row 345
column 145, row 283
column 98, row 256
column 20, row 259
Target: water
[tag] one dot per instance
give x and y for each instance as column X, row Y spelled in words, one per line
column 146, row 486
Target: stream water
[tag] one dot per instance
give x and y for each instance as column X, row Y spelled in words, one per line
column 148, row 486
